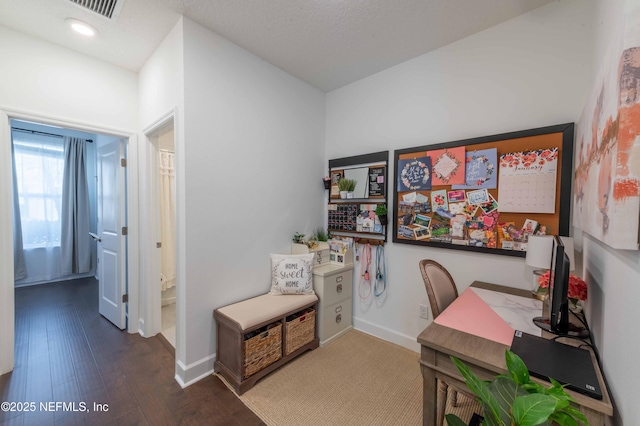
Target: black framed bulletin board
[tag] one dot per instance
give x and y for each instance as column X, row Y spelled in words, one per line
column 486, row 194
column 356, row 216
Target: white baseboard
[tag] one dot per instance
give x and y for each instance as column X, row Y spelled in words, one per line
column 383, row 333
column 186, row 375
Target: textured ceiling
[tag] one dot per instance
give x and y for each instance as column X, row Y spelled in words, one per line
column 328, row 43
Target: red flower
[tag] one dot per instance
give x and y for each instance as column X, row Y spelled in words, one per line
column 577, row 286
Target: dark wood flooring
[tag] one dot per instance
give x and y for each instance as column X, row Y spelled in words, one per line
column 66, row 352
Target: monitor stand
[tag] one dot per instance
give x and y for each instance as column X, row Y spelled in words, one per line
column 574, row 330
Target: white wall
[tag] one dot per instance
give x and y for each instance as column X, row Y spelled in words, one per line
column 162, row 92
column 525, row 73
column 613, row 276
column 49, row 80
column 254, row 159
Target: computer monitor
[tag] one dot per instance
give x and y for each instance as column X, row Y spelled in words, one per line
column 558, row 320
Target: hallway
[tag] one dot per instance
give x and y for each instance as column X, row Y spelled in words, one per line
column 66, row 352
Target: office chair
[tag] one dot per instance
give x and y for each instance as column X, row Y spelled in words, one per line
column 441, row 290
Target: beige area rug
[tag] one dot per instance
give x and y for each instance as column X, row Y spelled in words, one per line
column 357, row 379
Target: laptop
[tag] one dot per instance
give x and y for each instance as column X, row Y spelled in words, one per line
column 568, row 365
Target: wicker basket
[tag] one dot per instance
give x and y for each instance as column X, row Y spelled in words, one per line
column 300, row 331
column 262, row 350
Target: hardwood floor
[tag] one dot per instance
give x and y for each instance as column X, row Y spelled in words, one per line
column 67, row 353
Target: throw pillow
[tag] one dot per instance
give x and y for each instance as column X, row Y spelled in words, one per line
column 291, row 274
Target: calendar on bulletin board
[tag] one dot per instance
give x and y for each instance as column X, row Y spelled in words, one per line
column 486, row 194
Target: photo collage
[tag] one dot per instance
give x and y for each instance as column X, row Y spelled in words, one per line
column 451, row 196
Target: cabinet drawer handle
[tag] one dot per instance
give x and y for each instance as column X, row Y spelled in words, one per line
column 338, row 318
column 338, row 309
column 339, row 288
column 339, row 279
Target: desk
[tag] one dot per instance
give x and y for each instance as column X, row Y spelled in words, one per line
column 486, row 359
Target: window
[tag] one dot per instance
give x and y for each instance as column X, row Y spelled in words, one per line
column 39, row 170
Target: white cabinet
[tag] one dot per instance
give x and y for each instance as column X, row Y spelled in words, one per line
column 334, row 286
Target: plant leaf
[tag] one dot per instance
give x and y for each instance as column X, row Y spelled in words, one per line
column 533, row 409
column 506, row 391
column 563, row 419
column 517, row 368
column 577, row 414
column 479, row 388
column 492, row 417
column 533, row 387
column 453, row 420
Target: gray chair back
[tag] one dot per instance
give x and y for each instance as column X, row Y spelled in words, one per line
column 441, row 288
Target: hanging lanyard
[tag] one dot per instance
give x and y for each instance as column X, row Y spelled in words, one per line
column 381, row 276
column 365, row 277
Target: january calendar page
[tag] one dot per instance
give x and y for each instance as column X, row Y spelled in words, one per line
column 527, row 181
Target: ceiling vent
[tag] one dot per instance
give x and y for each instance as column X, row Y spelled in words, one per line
column 107, row 8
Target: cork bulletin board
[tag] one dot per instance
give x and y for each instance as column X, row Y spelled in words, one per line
column 485, row 194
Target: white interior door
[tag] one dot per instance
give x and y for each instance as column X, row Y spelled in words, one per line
column 112, row 271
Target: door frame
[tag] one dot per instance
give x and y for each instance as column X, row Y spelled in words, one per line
column 151, row 292
column 7, row 302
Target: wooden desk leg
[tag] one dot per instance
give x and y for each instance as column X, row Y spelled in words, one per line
column 429, row 389
column 441, row 402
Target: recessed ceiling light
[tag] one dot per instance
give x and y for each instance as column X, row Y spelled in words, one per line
column 81, row 27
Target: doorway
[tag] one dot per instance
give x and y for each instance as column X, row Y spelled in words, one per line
column 70, row 210
column 163, row 286
column 7, row 286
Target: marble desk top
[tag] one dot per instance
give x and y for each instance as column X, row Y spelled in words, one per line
column 516, row 311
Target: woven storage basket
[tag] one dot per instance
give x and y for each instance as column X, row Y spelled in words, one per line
column 262, row 350
column 300, row 331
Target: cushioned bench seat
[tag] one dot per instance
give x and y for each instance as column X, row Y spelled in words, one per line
column 252, row 312
column 261, row 317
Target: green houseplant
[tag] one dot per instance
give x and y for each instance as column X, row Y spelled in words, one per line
column 320, row 234
column 381, row 212
column 345, row 186
column 514, row 400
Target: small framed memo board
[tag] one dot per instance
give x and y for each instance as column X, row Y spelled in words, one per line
column 356, row 216
column 486, row 194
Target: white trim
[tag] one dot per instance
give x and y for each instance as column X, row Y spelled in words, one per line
column 409, row 342
column 8, row 304
column 186, row 375
column 151, row 291
column 160, row 122
column 64, row 122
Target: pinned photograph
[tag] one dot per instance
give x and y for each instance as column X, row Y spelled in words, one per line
column 490, row 206
column 439, row 200
column 456, row 196
column 422, row 220
column 421, row 233
column 477, row 197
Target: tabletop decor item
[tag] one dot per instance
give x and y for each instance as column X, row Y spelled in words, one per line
column 381, row 212
column 577, row 290
column 327, row 182
column 346, row 186
column 513, row 399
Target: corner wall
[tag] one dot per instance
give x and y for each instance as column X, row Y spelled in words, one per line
column 254, row 159
column 613, row 276
column 525, row 73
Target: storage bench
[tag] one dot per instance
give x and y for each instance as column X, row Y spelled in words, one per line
column 256, row 336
